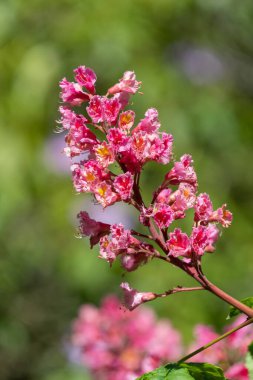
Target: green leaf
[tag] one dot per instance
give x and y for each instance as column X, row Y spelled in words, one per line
column 233, row 312
column 185, row 371
column 249, row 361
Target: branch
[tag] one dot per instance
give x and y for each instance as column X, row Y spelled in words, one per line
column 179, row 289
column 244, row 324
column 205, row 283
column 227, row 298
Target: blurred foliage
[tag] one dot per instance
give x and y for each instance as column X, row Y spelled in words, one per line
column 194, row 58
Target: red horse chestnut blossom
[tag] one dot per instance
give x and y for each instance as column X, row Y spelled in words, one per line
column 109, row 150
column 130, row 145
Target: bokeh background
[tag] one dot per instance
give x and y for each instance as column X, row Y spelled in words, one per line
column 195, row 59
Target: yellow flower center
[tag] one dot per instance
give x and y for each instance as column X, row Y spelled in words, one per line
column 103, row 151
column 90, row 177
column 101, row 191
column 125, row 119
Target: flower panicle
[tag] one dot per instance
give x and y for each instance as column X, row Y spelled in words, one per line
column 129, row 145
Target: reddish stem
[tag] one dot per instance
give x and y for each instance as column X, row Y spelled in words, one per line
column 227, row 298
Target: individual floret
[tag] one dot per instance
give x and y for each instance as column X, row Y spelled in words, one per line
column 86, row 78
column 133, row 298
column 72, row 93
column 179, row 243
column 127, row 84
column 123, row 184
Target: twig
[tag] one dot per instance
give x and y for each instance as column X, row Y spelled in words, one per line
column 179, row 289
column 244, row 324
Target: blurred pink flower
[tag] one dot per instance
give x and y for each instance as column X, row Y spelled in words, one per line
column 115, row 344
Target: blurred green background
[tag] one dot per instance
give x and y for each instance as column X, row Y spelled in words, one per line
column 195, row 59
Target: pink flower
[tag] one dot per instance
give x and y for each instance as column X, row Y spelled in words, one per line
column 161, row 149
column 204, row 212
column 203, row 237
column 150, row 123
column 126, row 120
column 104, row 194
column 214, row 354
column 112, row 108
column 178, row 243
column 121, row 238
column 203, row 208
column 223, row 216
column 72, row 93
column 163, row 215
column 199, row 239
column 116, row 344
column 213, row 235
column 146, row 147
column 183, row 198
column 86, row 175
column 90, row 227
column 104, row 154
column 68, row 118
column 127, row 84
column 118, row 243
column 140, row 145
column 145, row 143
column 96, row 109
column 107, row 250
column 123, row 184
column 131, row 262
column 182, row 172
column 165, row 332
column 133, row 298
column 79, row 139
column 86, row 77
column 164, row 196
column 123, row 98
column 237, row 371
column 129, row 159
column 117, row 139
column 101, row 109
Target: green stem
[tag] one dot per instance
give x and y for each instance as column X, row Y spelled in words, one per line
column 246, row 323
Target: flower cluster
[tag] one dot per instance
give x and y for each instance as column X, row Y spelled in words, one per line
column 127, row 146
column 229, row 353
column 115, row 344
